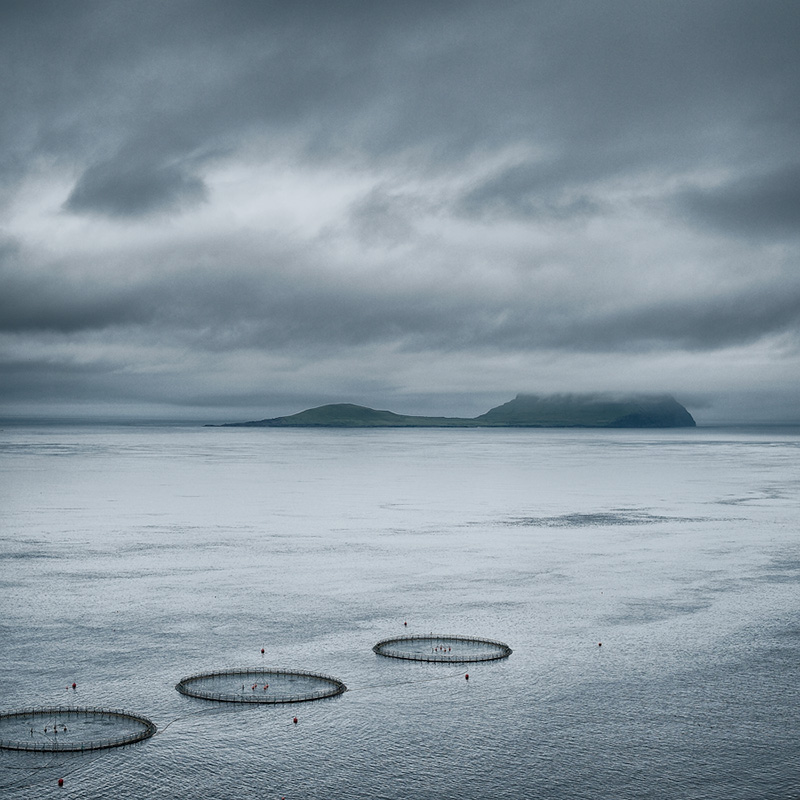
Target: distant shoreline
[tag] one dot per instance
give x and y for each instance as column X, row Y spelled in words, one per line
column 15, row 423
column 524, row 411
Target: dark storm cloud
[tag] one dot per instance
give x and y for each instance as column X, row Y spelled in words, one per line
column 628, row 81
column 55, row 300
column 760, row 205
column 67, row 306
column 122, row 187
column 532, row 190
column 707, row 323
column 288, row 303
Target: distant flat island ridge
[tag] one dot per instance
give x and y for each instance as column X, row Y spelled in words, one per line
column 524, row 411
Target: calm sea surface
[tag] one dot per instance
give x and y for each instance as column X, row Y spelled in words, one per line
column 131, row 557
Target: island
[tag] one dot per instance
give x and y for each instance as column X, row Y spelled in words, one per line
column 524, row 411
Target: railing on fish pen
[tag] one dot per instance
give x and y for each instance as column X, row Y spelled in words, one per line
column 62, row 744
column 333, row 686
column 494, row 650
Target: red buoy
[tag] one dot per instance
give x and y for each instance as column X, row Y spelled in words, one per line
column 60, row 781
column 406, row 624
column 74, row 685
column 262, row 651
column 466, row 677
column 599, row 644
column 295, row 720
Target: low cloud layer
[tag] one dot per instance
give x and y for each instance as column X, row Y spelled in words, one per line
column 255, row 207
column 765, row 205
column 121, row 189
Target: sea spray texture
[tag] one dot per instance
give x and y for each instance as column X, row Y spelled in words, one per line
column 135, row 556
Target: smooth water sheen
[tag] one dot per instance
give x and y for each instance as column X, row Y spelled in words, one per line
column 134, row 556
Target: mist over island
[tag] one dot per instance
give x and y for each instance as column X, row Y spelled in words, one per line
column 524, row 411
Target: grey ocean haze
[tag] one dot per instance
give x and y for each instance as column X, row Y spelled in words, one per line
column 235, row 210
column 135, row 556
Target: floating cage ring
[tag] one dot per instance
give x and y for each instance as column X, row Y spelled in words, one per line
column 442, row 648
column 270, row 686
column 71, row 729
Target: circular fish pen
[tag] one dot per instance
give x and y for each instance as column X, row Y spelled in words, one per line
column 71, row 729
column 444, row 649
column 268, row 686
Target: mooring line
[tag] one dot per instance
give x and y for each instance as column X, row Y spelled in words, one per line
column 199, row 711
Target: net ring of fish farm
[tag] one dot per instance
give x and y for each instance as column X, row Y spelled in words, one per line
column 270, row 686
column 71, row 729
column 443, row 649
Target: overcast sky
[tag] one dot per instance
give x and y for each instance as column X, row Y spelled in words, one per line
column 238, row 209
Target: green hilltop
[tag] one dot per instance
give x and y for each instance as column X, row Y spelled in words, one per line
column 524, row 411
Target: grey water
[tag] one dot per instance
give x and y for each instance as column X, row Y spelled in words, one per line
column 647, row 582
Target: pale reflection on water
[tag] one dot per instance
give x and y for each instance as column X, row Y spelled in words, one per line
column 132, row 557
